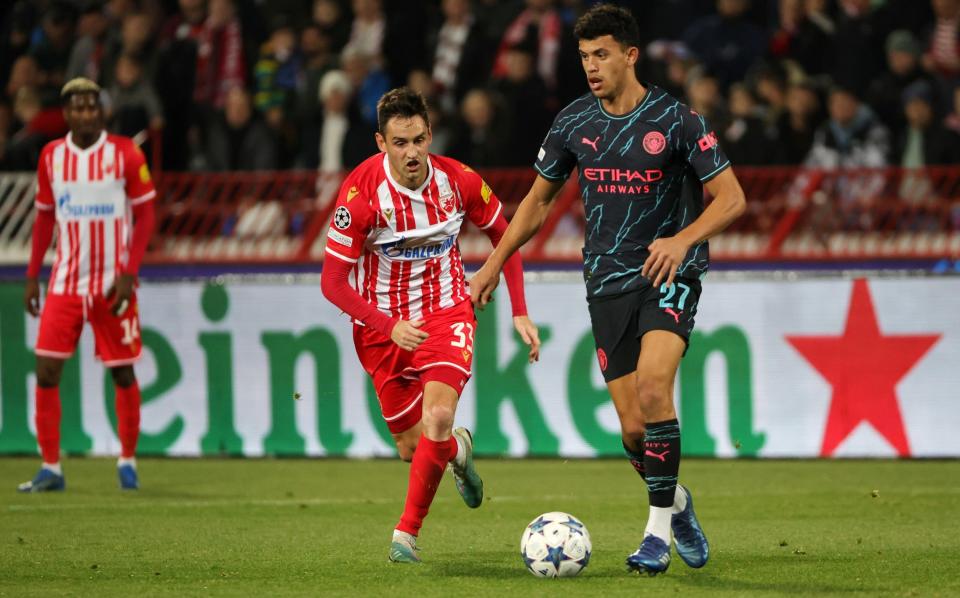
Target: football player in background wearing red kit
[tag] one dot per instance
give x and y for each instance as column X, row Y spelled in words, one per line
column 90, row 185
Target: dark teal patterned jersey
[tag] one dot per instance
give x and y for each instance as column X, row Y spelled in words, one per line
column 641, row 177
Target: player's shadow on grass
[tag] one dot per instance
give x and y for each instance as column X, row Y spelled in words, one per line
column 490, row 565
column 801, row 582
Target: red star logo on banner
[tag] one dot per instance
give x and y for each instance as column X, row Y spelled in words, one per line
column 863, row 366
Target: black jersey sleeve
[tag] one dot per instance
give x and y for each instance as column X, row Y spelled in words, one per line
column 554, row 160
column 700, row 146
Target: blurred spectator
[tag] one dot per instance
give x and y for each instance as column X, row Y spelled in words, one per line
column 91, row 44
column 726, row 43
column 539, row 24
column 328, row 15
column 318, row 60
column 390, row 34
column 276, row 76
column 39, row 126
column 345, row 139
column 220, row 62
column 704, row 97
column 15, row 39
column 744, row 139
column 903, row 68
column 668, row 64
column 368, row 80
column 858, row 46
column 771, row 85
column 524, row 95
column 275, row 73
column 137, row 41
column 134, row 105
column 52, row 51
column 480, row 139
column 237, row 139
column 795, row 131
column 853, row 137
column 24, row 73
column 943, row 50
column 952, row 120
column 369, row 28
column 460, row 52
column 922, row 142
column 805, row 34
column 178, row 60
column 186, row 23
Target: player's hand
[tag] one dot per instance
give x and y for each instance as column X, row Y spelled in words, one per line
column 407, row 334
column 530, row 335
column 666, row 255
column 31, row 297
column 482, row 285
column 122, row 292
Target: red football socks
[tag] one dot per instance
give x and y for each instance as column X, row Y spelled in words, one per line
column 48, row 423
column 429, row 461
column 128, row 418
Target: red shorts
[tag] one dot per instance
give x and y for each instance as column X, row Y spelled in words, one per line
column 399, row 376
column 116, row 339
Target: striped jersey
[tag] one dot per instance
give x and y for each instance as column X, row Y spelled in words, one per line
column 404, row 241
column 641, row 176
column 91, row 192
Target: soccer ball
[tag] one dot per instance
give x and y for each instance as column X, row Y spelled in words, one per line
column 555, row 544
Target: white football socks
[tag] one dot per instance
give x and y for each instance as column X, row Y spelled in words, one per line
column 658, row 523
column 127, row 461
column 54, row 468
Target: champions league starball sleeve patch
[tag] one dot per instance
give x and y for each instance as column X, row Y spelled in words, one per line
column 342, row 218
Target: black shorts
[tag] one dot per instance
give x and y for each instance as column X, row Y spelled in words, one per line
column 620, row 321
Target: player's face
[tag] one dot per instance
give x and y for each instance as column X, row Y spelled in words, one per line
column 607, row 64
column 84, row 115
column 406, row 142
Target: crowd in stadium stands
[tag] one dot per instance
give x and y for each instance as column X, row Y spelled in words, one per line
column 277, row 84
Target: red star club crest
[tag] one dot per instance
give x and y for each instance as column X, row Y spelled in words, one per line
column 864, row 366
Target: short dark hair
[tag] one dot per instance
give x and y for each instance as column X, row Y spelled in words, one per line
column 401, row 102
column 607, row 19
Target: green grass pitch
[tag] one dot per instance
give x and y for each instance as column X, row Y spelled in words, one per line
column 322, row 527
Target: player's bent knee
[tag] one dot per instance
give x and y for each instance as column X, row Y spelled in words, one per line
column 48, row 372
column 123, row 376
column 632, row 430
column 652, row 391
column 439, row 416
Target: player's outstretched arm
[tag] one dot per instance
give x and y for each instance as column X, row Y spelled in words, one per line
column 513, row 273
column 526, row 222
column 667, row 253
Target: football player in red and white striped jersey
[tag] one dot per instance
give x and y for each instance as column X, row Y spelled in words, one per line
column 393, row 265
column 95, row 188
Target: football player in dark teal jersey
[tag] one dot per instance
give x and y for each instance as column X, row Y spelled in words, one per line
column 643, row 160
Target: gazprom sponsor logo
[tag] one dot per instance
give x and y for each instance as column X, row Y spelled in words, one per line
column 395, row 250
column 83, row 210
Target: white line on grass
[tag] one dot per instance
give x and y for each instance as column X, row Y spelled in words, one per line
column 148, row 503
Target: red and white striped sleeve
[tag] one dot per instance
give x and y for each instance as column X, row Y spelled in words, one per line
column 351, row 222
